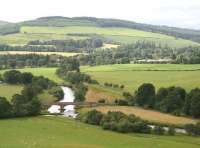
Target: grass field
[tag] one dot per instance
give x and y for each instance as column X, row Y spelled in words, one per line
column 24, row 38
column 133, row 75
column 122, row 35
column 149, row 115
column 66, row 54
column 57, row 132
column 9, row 90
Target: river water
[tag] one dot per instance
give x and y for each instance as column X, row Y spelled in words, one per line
column 69, row 109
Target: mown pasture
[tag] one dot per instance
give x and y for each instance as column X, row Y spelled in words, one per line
column 133, row 75
column 53, row 132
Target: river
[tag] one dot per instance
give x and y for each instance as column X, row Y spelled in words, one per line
column 69, row 109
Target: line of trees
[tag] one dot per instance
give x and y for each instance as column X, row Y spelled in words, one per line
column 71, row 44
column 31, row 60
column 173, row 100
column 120, row 122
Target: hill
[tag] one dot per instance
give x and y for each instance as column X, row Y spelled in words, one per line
column 60, row 132
column 47, row 23
column 59, row 21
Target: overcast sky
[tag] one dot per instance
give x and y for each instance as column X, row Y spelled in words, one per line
column 180, row 13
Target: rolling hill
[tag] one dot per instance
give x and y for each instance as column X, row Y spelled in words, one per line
column 119, row 31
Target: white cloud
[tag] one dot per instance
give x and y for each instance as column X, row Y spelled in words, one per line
column 181, row 13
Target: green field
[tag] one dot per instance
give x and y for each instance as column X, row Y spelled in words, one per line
column 9, row 90
column 121, row 35
column 24, row 38
column 133, row 75
column 57, row 132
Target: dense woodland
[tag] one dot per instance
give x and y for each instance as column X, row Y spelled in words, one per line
column 142, row 50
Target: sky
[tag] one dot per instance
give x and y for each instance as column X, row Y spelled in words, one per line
column 178, row 13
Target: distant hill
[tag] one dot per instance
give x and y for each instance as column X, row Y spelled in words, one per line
column 59, row 21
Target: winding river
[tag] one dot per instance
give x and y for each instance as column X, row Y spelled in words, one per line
column 69, row 109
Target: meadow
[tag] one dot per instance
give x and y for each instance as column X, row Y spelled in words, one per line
column 9, row 90
column 52, row 132
column 122, row 35
column 133, row 75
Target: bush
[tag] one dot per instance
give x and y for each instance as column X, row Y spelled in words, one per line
column 193, row 129
column 57, row 92
column 121, row 102
column 171, row 131
column 102, row 101
column 92, row 117
column 5, row 108
column 159, row 130
column 122, row 86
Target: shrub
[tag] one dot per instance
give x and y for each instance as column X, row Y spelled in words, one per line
column 171, row 131
column 57, row 92
column 193, row 129
column 92, row 117
column 102, row 101
column 159, row 130
column 5, row 108
column 121, row 102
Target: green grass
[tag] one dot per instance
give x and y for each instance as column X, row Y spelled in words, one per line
column 24, row 38
column 122, row 35
column 133, row 75
column 57, row 132
column 9, row 90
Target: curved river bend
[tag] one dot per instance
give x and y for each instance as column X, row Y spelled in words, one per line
column 69, row 109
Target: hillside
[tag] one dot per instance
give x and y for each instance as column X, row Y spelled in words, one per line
column 101, row 22
column 120, row 31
